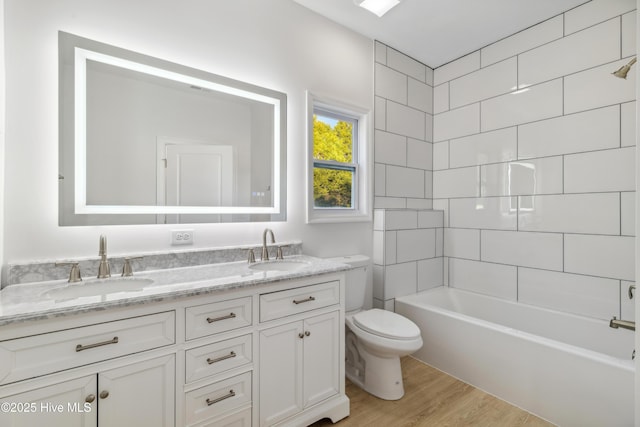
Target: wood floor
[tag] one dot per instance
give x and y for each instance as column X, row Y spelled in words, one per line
column 432, row 399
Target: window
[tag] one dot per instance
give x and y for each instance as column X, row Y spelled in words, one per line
column 338, row 173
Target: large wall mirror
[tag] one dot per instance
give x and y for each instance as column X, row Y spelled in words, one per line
column 146, row 141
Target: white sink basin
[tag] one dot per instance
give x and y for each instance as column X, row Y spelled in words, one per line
column 279, row 265
column 99, row 287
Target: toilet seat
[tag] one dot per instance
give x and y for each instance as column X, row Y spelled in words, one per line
column 386, row 324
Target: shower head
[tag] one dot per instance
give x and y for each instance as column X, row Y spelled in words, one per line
column 622, row 71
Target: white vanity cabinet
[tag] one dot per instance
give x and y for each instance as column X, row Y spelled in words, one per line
column 269, row 353
column 140, row 392
column 27, row 409
column 300, row 358
column 218, row 373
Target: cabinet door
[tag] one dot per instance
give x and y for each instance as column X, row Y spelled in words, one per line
column 141, row 394
column 280, row 372
column 58, row 405
column 321, row 364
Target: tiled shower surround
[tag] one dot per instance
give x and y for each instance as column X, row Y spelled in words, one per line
column 533, row 162
column 407, row 253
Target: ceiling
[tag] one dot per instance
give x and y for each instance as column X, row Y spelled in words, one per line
column 438, row 31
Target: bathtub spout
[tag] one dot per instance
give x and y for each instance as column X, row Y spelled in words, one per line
column 626, row 324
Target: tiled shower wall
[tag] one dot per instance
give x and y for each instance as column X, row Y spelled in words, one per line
column 534, row 163
column 407, row 239
column 403, row 131
column 407, row 253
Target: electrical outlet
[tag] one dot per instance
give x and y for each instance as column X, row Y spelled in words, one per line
column 182, row 237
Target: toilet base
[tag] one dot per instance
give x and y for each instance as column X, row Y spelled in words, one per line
column 382, row 375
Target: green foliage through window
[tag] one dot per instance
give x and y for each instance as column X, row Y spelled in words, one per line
column 333, row 172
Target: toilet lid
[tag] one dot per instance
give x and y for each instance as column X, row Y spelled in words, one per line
column 386, row 324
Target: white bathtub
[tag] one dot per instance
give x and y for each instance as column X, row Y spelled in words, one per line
column 570, row 370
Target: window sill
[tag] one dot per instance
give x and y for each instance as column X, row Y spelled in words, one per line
column 338, row 218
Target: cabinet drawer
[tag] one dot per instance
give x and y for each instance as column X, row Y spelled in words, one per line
column 217, row 357
column 209, row 319
column 215, row 399
column 294, row 301
column 42, row 354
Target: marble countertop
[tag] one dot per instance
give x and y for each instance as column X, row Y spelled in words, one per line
column 42, row 300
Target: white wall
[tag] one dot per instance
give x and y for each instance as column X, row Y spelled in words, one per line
column 538, row 185
column 276, row 44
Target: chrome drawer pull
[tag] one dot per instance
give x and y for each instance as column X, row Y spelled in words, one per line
column 81, row 347
column 220, row 399
column 217, row 319
column 300, row 301
column 221, row 358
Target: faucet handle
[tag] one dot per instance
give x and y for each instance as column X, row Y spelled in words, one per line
column 126, row 268
column 279, row 252
column 251, row 256
column 74, row 274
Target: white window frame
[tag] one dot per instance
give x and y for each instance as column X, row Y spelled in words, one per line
column 362, row 169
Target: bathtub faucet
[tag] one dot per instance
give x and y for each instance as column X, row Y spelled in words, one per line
column 626, row 324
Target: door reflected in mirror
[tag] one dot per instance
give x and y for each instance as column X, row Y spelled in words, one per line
column 146, row 141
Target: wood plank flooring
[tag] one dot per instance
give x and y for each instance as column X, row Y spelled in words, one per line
column 432, row 399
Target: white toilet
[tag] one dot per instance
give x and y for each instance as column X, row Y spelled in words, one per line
column 375, row 339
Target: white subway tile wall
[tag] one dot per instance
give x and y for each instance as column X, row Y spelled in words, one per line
column 530, row 38
column 492, row 279
column 628, row 34
column 407, row 253
column 534, row 164
column 559, row 58
column 594, row 12
column 403, row 153
column 628, row 124
column 483, row 148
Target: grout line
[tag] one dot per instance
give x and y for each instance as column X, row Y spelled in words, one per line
column 518, row 72
column 620, row 300
column 562, row 174
column 563, row 100
column 620, row 124
column 621, row 41
column 518, row 283
column 518, row 212
column 563, row 267
column 518, row 142
column 620, row 212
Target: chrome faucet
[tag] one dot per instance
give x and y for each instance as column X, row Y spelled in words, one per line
column 103, row 268
column 626, row 324
column 265, row 252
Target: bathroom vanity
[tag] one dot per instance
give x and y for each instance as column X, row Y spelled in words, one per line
column 213, row 345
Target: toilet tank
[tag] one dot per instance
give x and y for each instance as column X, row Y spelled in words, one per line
column 356, row 280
